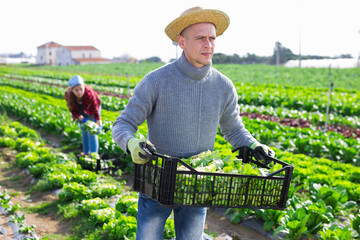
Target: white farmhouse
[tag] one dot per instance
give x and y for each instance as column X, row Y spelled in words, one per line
column 46, row 53
column 69, row 55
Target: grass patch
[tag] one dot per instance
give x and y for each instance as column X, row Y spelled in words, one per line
column 3, row 165
column 4, row 118
column 56, row 237
column 15, row 178
column 40, row 186
column 213, row 235
column 14, row 194
column 9, row 165
column 44, row 208
column 69, row 211
column 85, row 230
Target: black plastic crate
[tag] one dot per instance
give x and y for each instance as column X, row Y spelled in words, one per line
column 160, row 180
column 107, row 163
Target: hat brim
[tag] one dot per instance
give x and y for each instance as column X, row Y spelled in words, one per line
column 218, row 18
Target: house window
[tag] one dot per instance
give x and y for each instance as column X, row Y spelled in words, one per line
column 49, row 53
column 83, row 55
column 90, row 55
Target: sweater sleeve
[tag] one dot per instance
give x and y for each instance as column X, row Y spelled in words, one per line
column 135, row 113
column 231, row 124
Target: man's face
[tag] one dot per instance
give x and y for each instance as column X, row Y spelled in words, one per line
column 78, row 91
column 198, row 43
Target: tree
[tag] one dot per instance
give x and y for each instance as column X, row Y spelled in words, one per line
column 220, row 58
column 281, row 54
column 152, row 59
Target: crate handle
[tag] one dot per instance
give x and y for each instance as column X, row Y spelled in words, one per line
column 176, row 159
column 186, row 165
column 278, row 171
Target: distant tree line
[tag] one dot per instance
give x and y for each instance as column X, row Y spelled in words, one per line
column 280, row 55
column 151, row 59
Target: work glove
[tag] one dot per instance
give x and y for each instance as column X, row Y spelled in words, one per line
column 141, row 150
column 261, row 151
column 84, row 120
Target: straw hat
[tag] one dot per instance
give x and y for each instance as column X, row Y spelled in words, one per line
column 198, row 15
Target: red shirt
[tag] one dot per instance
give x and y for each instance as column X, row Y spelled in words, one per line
column 90, row 103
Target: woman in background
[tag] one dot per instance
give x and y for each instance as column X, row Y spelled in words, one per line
column 84, row 105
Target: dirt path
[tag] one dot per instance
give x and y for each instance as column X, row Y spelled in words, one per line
column 216, row 222
column 5, row 229
column 17, row 183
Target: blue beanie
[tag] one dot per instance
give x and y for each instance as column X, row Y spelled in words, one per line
column 76, row 80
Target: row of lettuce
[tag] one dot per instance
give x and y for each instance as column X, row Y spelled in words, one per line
column 308, row 141
column 251, row 104
column 308, row 170
column 111, row 103
column 52, row 116
column 63, row 77
column 56, row 119
column 316, row 211
column 344, row 79
column 343, row 102
column 109, row 208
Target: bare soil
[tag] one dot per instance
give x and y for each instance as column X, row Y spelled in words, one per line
column 5, row 229
column 218, row 223
column 17, row 183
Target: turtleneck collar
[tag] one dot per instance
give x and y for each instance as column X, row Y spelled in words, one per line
column 190, row 70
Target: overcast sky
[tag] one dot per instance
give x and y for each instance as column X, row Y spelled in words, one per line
column 136, row 27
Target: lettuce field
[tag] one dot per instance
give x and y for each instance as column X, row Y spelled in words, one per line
column 284, row 108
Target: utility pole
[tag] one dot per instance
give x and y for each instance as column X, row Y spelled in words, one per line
column 358, row 60
column 300, row 48
column 277, row 54
column 299, row 19
column 331, row 84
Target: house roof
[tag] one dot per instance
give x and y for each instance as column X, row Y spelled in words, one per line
column 81, row 48
column 50, row 45
column 91, row 59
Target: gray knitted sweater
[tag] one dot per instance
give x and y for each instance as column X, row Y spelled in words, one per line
column 183, row 107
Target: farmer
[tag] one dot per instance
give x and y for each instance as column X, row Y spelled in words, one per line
column 84, row 105
column 183, row 103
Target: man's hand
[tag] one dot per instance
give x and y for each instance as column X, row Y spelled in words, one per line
column 261, row 151
column 136, row 148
